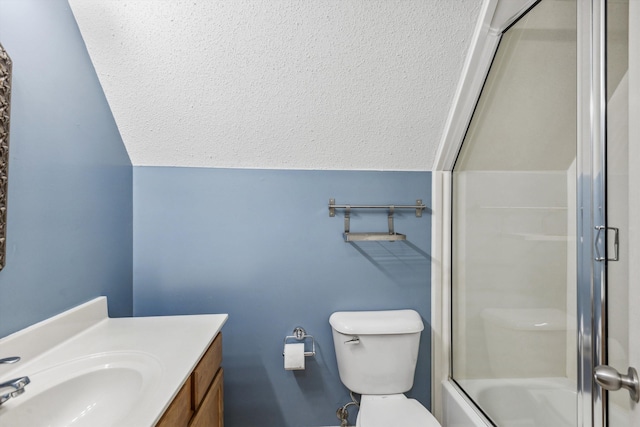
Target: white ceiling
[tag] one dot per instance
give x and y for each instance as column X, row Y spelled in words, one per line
column 323, row 84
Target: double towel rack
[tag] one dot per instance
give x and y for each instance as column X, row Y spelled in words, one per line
column 391, row 235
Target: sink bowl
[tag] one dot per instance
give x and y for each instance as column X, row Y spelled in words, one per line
column 97, row 390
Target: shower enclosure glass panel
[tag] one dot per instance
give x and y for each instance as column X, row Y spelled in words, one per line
column 514, row 221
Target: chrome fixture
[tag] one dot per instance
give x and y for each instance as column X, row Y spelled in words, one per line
column 610, row 379
column 419, row 207
column 391, row 235
column 353, row 340
column 343, row 412
column 299, row 334
column 616, row 243
column 12, row 388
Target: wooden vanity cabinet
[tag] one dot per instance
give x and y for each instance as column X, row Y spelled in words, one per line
column 199, row 403
column 210, row 412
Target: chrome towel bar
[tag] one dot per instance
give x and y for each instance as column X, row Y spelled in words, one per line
column 419, row 207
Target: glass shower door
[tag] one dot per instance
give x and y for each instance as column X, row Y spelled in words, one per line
column 514, row 221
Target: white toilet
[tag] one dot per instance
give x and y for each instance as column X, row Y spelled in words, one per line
column 377, row 353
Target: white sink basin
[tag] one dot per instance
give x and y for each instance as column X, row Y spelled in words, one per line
column 96, row 390
column 87, row 369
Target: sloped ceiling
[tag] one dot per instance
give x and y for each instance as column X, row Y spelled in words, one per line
column 323, row 84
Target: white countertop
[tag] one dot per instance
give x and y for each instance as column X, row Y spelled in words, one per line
column 176, row 343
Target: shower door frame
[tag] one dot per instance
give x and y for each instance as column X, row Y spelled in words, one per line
column 591, row 206
column 591, row 185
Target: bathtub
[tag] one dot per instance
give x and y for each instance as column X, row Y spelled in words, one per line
column 457, row 410
column 530, row 402
column 511, row 402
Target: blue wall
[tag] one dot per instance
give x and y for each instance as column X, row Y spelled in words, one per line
column 260, row 245
column 70, row 179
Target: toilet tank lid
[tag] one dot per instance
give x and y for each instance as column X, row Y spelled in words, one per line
column 384, row 322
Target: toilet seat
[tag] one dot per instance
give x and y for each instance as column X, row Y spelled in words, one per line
column 393, row 410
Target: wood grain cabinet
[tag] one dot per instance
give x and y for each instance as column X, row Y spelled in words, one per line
column 199, row 403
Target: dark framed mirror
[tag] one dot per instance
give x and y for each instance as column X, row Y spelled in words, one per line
column 5, row 110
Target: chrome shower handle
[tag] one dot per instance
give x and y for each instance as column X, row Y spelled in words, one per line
column 9, row 360
column 610, row 379
column 616, row 243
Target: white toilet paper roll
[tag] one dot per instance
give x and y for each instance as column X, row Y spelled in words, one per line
column 294, row 357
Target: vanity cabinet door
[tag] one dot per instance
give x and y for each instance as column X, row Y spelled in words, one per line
column 206, row 370
column 180, row 411
column 211, row 413
column 200, row 401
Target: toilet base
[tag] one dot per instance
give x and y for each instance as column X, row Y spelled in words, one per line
column 393, row 410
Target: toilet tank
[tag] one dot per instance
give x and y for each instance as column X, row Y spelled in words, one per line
column 377, row 351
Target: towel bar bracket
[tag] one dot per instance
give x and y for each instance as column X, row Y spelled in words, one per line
column 390, row 220
column 347, row 218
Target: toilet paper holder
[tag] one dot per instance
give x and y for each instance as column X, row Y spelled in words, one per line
column 299, row 334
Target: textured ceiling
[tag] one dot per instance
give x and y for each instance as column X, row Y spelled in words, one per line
column 323, row 84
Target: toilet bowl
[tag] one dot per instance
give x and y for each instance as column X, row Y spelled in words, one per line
column 377, row 352
column 394, row 410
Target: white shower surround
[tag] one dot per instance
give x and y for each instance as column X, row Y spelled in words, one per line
column 327, row 84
